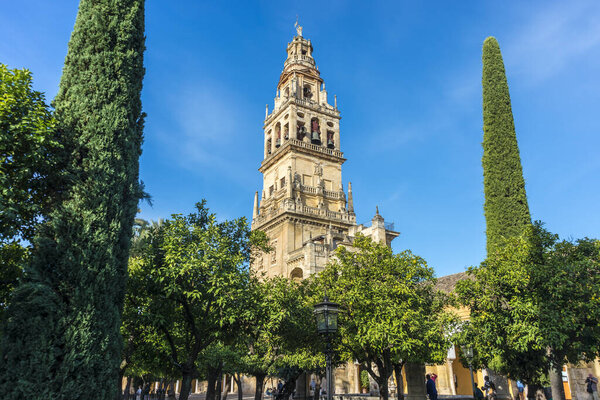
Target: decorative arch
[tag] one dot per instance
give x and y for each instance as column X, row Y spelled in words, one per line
column 297, row 274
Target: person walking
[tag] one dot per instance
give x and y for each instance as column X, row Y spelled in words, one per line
column 592, row 386
column 521, row 390
column 490, row 389
column 431, row 390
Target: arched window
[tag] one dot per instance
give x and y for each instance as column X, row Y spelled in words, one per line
column 296, row 274
column 315, row 131
column 278, row 134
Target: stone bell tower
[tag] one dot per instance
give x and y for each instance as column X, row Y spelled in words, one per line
column 303, row 207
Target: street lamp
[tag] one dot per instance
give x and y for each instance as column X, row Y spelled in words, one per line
column 326, row 314
column 467, row 351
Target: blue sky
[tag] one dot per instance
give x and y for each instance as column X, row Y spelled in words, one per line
column 408, row 80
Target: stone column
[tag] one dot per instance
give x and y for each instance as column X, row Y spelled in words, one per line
column 357, row 378
column 451, row 377
column 415, row 381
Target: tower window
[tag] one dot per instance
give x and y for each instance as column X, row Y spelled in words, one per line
column 307, row 92
column 271, row 190
column 300, row 131
column 282, row 182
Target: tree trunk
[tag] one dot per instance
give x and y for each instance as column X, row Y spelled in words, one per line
column 219, row 387
column 171, row 390
column 212, row 380
column 162, row 389
column 399, row 381
column 238, row 381
column 227, row 388
column 260, row 382
column 186, row 384
column 383, row 388
column 556, row 383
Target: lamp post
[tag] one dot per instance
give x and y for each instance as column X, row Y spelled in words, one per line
column 467, row 351
column 326, row 314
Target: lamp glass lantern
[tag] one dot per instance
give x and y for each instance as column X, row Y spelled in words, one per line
column 467, row 352
column 326, row 314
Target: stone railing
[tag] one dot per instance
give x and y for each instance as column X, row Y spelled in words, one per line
column 312, row 211
column 334, row 195
column 321, row 248
column 281, row 103
column 321, row 149
column 300, row 57
column 309, row 189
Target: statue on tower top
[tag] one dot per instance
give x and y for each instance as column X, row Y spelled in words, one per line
column 298, row 27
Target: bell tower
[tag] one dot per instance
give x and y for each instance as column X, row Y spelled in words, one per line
column 303, row 208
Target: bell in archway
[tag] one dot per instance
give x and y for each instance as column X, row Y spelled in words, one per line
column 315, row 138
column 330, row 143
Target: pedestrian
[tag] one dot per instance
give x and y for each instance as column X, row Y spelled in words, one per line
column 478, row 392
column 431, row 390
column 138, row 394
column 279, row 386
column 592, row 386
column 313, row 387
column 521, row 390
column 490, row 389
column 433, row 377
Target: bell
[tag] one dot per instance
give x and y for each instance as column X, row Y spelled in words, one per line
column 330, row 143
column 315, row 138
column 278, row 143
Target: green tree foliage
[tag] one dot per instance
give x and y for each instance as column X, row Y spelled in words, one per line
column 30, row 171
column 506, row 209
column 29, row 155
column 195, row 278
column 391, row 312
column 80, row 255
column 280, row 335
column 534, row 305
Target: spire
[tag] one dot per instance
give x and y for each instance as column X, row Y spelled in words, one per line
column 255, row 211
column 377, row 217
column 350, row 201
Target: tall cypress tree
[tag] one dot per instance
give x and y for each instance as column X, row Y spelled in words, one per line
column 506, row 209
column 75, row 285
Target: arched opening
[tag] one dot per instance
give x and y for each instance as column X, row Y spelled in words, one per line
column 300, row 131
column 286, row 131
column 296, row 274
column 330, row 143
column 278, row 134
column 268, row 149
column 307, row 92
column 315, row 131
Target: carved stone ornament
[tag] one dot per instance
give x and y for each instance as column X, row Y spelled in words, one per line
column 318, row 169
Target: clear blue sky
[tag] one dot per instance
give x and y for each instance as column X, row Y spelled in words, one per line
column 408, row 80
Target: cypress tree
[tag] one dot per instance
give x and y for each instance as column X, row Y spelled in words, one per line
column 506, row 209
column 79, row 266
